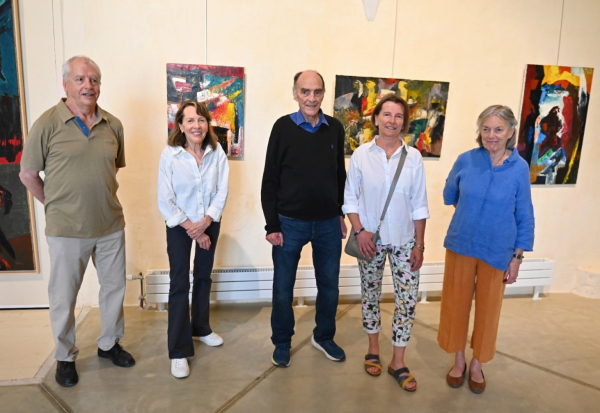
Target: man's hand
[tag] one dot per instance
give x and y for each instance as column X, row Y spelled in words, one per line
column 275, row 239
column 32, row 181
column 343, row 227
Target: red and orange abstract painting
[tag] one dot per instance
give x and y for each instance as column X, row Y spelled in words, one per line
column 221, row 88
column 553, row 119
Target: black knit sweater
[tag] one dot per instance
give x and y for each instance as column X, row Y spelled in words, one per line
column 304, row 173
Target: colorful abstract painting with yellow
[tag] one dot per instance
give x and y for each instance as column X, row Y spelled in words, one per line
column 356, row 97
column 221, row 89
column 553, row 118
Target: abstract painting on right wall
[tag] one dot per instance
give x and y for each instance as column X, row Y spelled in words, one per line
column 553, row 118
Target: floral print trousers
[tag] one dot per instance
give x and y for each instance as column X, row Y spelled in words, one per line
column 406, row 285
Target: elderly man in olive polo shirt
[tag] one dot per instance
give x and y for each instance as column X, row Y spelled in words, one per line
column 80, row 148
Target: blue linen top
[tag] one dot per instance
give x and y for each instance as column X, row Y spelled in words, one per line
column 494, row 213
column 301, row 121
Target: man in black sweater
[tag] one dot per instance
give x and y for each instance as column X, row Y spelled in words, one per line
column 302, row 196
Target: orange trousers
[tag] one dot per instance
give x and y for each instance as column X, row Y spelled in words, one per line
column 463, row 277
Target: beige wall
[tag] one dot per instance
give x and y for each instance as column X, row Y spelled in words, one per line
column 481, row 48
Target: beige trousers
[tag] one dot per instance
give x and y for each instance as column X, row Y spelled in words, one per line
column 69, row 258
column 463, row 277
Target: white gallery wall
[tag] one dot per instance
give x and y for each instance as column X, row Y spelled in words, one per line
column 481, row 48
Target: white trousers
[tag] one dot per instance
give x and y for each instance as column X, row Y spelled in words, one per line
column 69, row 258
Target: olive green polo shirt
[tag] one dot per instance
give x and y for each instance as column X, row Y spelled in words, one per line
column 80, row 184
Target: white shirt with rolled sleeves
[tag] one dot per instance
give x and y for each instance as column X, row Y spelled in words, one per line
column 370, row 176
column 186, row 191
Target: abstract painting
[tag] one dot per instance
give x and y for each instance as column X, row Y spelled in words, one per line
column 18, row 248
column 221, row 88
column 11, row 136
column 356, row 97
column 16, row 239
column 553, row 118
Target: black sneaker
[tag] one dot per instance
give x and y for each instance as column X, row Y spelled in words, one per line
column 117, row 355
column 332, row 351
column 281, row 355
column 66, row 374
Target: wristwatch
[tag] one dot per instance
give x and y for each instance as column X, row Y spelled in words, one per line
column 518, row 256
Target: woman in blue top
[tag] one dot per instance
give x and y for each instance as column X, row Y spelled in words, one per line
column 492, row 225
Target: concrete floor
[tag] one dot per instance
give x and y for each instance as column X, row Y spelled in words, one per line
column 548, row 360
column 25, row 342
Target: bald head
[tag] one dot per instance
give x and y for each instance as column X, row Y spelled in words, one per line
column 297, row 76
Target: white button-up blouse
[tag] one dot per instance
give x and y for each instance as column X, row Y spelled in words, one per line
column 186, row 191
column 370, row 176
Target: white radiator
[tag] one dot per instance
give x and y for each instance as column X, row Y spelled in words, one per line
column 256, row 283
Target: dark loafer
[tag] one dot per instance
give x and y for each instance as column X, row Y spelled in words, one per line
column 475, row 387
column 456, row 382
column 66, row 374
column 117, row 355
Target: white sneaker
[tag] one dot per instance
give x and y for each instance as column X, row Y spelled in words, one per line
column 180, row 368
column 213, row 339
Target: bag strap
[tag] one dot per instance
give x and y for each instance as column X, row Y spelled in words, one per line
column 393, row 186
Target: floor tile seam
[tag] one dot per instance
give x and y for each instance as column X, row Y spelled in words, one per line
column 547, row 370
column 45, row 368
column 528, row 363
column 55, row 400
column 248, row 388
column 20, row 382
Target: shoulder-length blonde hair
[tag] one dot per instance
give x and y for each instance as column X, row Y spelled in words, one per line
column 177, row 137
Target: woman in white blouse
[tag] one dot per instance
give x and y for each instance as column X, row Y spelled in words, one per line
column 192, row 190
column 372, row 169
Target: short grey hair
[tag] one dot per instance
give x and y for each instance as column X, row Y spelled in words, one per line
column 66, row 67
column 504, row 113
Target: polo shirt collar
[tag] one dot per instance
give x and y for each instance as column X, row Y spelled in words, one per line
column 65, row 113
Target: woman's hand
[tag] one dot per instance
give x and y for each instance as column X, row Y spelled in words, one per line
column 510, row 276
column 203, row 241
column 416, row 259
column 197, row 228
column 365, row 244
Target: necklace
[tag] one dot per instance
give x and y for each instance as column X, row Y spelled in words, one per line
column 389, row 153
column 499, row 161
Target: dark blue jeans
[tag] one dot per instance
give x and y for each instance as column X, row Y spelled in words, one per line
column 326, row 241
column 180, row 329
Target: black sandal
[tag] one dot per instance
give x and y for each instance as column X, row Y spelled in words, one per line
column 369, row 363
column 403, row 377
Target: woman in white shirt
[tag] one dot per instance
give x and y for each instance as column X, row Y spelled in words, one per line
column 193, row 180
column 372, row 169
